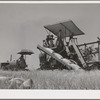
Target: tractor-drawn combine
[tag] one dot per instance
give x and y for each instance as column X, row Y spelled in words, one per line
column 61, row 50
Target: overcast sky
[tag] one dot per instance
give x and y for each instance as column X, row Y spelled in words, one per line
column 21, row 26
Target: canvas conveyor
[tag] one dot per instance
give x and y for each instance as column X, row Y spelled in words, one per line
column 70, row 65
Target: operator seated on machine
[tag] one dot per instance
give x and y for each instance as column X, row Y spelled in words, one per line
column 60, row 47
column 48, row 42
column 71, row 49
column 21, row 62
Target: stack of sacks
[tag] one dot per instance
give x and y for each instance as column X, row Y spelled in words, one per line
column 66, row 61
column 50, row 50
column 73, row 61
column 58, row 55
column 19, row 83
column 70, row 64
column 74, row 66
column 15, row 83
column 27, row 84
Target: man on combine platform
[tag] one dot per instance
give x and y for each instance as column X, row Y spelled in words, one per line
column 21, row 62
column 60, row 47
column 49, row 41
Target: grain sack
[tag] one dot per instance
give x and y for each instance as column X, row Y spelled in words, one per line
column 15, row 83
column 74, row 66
column 17, row 80
column 58, row 55
column 66, row 61
column 50, row 50
column 27, row 84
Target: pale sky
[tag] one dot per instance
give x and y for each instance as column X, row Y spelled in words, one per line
column 21, row 26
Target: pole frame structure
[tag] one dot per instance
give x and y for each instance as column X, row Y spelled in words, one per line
column 81, row 58
column 98, row 51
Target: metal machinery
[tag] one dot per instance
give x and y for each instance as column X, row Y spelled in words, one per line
column 74, row 56
column 19, row 64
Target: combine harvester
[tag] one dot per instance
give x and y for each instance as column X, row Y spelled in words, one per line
column 66, row 53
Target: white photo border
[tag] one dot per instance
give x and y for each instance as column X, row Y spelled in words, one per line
column 49, row 94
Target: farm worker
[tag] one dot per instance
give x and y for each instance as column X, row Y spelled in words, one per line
column 44, row 43
column 59, row 42
column 49, row 40
column 60, row 46
column 22, row 62
column 70, row 37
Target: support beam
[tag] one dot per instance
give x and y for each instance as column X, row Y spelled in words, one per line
column 78, row 53
column 87, row 44
column 99, row 51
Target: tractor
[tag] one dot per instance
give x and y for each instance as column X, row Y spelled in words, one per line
column 19, row 64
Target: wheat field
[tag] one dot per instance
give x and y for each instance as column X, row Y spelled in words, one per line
column 70, row 80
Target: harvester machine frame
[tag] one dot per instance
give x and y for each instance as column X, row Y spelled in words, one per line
column 69, row 29
column 91, row 64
